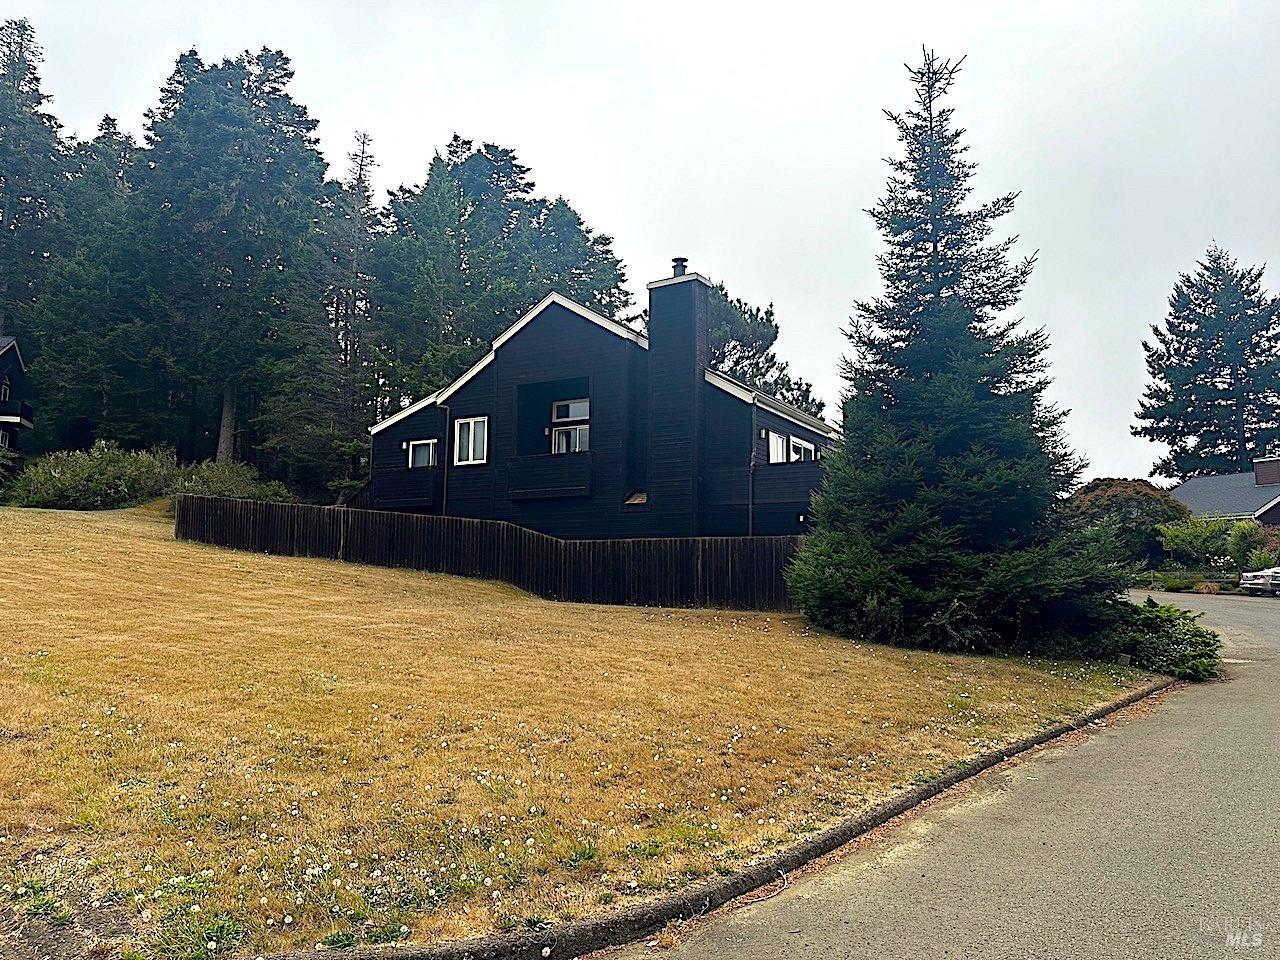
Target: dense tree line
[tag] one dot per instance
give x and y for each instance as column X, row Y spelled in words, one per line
column 212, row 289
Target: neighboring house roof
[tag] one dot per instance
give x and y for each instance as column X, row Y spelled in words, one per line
column 6, row 343
column 1227, row 495
column 713, row 377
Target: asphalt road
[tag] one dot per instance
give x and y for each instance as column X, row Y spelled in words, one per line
column 1156, row 838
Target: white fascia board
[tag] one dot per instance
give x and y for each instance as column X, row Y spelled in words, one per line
column 619, row 329
column 440, row 396
column 13, row 344
column 16, row 419
column 672, row 281
column 403, row 412
column 1264, row 508
column 772, row 404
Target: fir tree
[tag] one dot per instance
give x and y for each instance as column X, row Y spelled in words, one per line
column 937, row 521
column 231, row 203
column 101, row 369
column 1214, row 369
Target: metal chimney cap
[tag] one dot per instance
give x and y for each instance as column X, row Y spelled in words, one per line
column 679, row 265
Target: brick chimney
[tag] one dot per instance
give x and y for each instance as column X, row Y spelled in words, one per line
column 677, row 361
column 1266, row 470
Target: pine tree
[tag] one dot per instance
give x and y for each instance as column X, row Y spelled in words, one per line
column 1214, row 369
column 31, row 171
column 466, row 253
column 937, row 520
column 741, row 339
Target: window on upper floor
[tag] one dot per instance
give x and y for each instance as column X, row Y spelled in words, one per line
column 422, row 453
column 563, row 410
column 4, row 390
column 777, row 447
column 802, row 450
column 470, row 441
column 575, row 439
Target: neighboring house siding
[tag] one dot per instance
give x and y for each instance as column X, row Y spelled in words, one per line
column 19, row 394
column 1270, row 517
column 677, row 360
column 783, row 490
column 563, row 348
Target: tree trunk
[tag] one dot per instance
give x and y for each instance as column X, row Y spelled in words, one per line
column 227, row 431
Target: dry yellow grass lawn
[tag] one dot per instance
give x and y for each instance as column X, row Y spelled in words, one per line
column 274, row 751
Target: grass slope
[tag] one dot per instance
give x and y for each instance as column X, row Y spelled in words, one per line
column 274, row 752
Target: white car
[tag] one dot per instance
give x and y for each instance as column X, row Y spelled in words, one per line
column 1264, row 581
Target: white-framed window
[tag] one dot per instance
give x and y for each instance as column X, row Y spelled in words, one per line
column 422, row 453
column 571, row 439
column 4, row 391
column 4, row 439
column 802, row 449
column 470, row 441
column 777, row 447
column 563, row 410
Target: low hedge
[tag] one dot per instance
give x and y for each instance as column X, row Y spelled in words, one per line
column 236, row 480
column 106, row 477
column 103, row 477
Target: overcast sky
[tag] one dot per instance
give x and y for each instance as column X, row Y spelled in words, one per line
column 750, row 138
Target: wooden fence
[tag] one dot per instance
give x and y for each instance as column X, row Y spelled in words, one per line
column 741, row 573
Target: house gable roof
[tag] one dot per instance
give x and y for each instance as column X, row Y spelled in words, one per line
column 1227, row 495
column 443, row 394
column 750, row 395
column 713, row 377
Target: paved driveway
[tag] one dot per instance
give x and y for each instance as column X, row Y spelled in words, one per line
column 1159, row 838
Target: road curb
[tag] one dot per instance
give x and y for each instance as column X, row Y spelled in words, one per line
column 631, row 923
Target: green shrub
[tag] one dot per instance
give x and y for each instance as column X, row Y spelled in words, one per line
column 104, row 477
column 236, row 480
column 1252, row 546
column 1165, row 639
column 1175, row 582
column 1196, row 541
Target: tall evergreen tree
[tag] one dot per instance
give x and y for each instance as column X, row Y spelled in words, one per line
column 352, row 305
column 31, row 171
column 936, row 523
column 99, row 367
column 741, row 339
column 231, row 201
column 1214, row 369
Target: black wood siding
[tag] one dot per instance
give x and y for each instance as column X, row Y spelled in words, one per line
column 701, row 447
column 392, row 485
column 677, row 360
